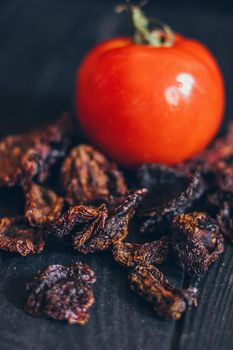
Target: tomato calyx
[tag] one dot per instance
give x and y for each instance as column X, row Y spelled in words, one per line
column 161, row 35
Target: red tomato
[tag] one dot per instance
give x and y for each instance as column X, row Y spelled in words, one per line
column 142, row 104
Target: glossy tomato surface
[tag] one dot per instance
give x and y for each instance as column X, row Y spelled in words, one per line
column 141, row 104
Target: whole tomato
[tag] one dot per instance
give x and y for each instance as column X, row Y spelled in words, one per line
column 142, row 103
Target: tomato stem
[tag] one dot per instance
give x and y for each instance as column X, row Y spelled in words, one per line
column 161, row 35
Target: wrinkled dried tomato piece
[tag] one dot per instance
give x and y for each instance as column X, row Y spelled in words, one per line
column 130, row 254
column 89, row 239
column 23, row 157
column 88, row 177
column 58, row 136
column 168, row 302
column 72, row 221
column 196, row 241
column 170, row 192
column 110, row 226
column 62, row 293
column 17, row 236
column 42, row 204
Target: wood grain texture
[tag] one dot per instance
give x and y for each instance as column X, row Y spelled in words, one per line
column 41, row 44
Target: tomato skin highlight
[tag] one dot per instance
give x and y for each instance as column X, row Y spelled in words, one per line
column 142, row 104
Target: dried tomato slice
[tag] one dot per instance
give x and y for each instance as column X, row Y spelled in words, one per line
column 57, row 135
column 62, row 293
column 17, row 236
column 23, row 157
column 73, row 220
column 196, row 241
column 168, row 302
column 170, row 192
column 89, row 178
column 42, row 204
column 131, row 254
column 110, row 226
column 20, row 158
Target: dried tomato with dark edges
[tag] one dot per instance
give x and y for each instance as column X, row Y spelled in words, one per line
column 110, row 226
column 62, row 293
column 58, row 136
column 88, row 177
column 196, row 241
column 168, row 302
column 42, row 204
column 71, row 221
column 17, row 236
column 20, row 158
column 170, row 193
column 23, row 157
column 131, row 254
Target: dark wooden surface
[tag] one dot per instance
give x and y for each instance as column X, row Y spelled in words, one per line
column 41, row 45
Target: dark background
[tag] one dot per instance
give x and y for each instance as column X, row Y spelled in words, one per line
column 41, row 44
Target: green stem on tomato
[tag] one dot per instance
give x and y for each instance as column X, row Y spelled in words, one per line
column 162, row 36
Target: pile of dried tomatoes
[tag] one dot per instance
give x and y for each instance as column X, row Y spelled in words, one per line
column 186, row 209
